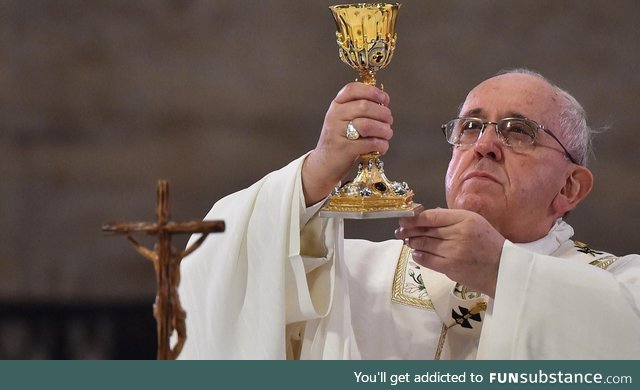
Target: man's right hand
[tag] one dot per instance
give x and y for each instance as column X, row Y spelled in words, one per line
column 333, row 157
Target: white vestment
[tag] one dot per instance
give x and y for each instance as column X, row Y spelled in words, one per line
column 283, row 283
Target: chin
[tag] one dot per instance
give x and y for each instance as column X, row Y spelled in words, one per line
column 475, row 203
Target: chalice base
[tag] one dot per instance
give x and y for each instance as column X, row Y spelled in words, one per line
column 368, row 212
column 371, row 195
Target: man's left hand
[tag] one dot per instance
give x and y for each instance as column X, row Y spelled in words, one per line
column 458, row 243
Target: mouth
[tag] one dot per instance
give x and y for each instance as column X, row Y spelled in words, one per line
column 476, row 175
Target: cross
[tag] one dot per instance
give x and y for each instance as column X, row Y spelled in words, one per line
column 167, row 310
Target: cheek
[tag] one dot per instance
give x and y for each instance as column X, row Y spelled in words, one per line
column 447, row 178
column 535, row 188
column 453, row 173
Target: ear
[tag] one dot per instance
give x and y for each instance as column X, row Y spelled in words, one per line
column 578, row 184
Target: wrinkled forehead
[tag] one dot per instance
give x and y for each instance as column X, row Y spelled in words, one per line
column 514, row 95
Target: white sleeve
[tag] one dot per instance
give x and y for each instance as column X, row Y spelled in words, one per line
column 310, row 212
column 552, row 308
column 310, row 276
column 242, row 287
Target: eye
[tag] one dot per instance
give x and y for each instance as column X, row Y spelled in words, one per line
column 470, row 125
column 517, row 128
column 517, row 132
column 467, row 131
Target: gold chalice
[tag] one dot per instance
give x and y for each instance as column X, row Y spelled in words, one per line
column 367, row 38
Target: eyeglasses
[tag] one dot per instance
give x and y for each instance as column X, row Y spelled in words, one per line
column 513, row 132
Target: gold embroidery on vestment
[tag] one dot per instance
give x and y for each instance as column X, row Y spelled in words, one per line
column 463, row 292
column 443, row 336
column 407, row 281
column 584, row 248
column 478, row 308
column 604, row 262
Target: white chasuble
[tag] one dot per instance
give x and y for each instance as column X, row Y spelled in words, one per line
column 284, row 283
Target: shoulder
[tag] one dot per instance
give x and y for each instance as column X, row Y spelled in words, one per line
column 583, row 252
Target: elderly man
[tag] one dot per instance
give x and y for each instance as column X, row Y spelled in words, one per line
column 494, row 276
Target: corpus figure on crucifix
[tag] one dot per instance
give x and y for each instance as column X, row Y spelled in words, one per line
column 169, row 314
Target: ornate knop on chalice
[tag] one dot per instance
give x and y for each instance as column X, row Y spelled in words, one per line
column 366, row 37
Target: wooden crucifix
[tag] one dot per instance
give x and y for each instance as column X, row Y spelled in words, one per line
column 167, row 310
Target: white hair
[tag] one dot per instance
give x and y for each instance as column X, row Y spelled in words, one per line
column 578, row 135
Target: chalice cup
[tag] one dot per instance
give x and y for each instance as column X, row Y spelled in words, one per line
column 366, row 37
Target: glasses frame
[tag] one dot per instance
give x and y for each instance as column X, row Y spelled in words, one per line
column 535, row 124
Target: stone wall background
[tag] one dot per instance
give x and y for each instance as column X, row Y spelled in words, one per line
column 99, row 99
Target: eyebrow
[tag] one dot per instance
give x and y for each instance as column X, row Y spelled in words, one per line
column 479, row 112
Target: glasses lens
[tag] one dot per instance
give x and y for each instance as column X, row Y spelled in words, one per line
column 517, row 132
column 464, row 131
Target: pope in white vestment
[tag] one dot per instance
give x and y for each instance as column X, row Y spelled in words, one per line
column 283, row 283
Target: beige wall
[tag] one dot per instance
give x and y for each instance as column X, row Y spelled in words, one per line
column 99, row 99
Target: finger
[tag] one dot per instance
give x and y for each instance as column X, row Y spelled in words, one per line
column 437, row 253
column 403, row 233
column 433, row 245
column 358, row 91
column 429, row 260
column 368, row 145
column 363, row 109
column 372, row 128
column 434, row 218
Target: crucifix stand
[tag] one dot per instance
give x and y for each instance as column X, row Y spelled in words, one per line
column 167, row 310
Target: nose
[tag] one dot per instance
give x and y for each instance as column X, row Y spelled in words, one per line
column 489, row 144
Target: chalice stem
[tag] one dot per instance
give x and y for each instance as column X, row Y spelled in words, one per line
column 368, row 77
